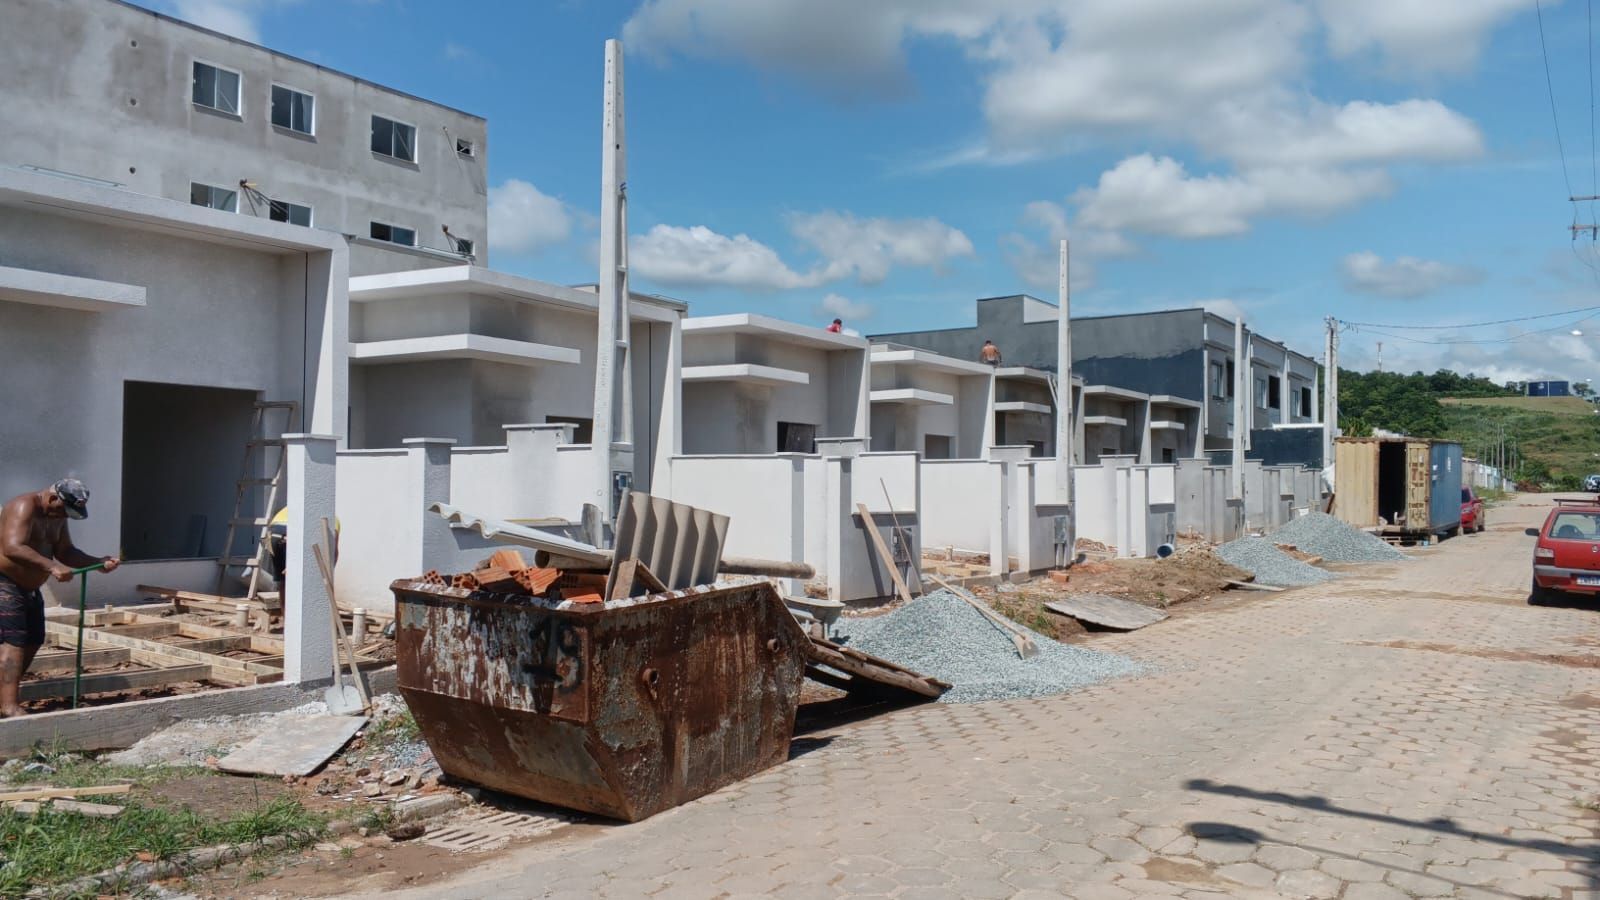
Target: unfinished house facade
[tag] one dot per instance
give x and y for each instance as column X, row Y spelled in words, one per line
column 754, row 384
column 462, row 352
column 1025, row 410
column 1180, row 362
column 931, row 404
column 106, row 90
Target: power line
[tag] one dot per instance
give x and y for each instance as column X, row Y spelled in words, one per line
column 1550, row 86
column 1460, row 327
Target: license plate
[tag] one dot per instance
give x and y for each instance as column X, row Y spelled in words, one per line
column 1588, row 580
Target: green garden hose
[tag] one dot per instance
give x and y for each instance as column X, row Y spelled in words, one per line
column 83, row 605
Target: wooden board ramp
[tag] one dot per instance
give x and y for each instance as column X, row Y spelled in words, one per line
column 1107, row 612
column 852, row 670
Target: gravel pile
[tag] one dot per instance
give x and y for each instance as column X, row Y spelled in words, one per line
column 1270, row 565
column 942, row 636
column 1334, row 540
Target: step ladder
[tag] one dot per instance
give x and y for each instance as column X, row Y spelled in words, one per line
column 258, row 458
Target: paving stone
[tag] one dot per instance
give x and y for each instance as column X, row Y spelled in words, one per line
column 1282, row 859
column 1249, row 874
column 1307, row 883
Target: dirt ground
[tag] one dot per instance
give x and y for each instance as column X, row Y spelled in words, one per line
column 1192, row 574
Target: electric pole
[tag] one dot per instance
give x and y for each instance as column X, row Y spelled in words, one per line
column 1380, row 356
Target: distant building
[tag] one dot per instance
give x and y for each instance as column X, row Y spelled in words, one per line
column 125, row 97
column 1549, row 389
column 1172, row 368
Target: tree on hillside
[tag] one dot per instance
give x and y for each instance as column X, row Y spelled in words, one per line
column 1408, row 404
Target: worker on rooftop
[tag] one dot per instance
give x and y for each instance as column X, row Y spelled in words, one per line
column 990, row 353
column 837, row 327
column 35, row 547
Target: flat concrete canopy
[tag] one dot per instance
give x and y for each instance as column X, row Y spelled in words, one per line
column 927, row 359
column 1169, row 400
column 912, row 397
column 1106, row 420
column 461, row 346
column 67, row 291
column 748, row 373
column 1022, row 406
column 776, row 329
column 1106, row 390
column 479, row 281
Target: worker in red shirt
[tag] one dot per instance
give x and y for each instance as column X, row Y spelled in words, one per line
column 837, row 326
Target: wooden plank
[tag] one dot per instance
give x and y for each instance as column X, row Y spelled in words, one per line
column 233, row 671
column 67, row 661
column 1020, row 639
column 213, row 645
column 883, row 552
column 141, row 629
column 296, row 745
column 871, row 670
column 107, row 682
column 259, row 643
column 50, row 793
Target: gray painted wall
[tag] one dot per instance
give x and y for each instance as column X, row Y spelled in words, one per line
column 1153, row 353
column 103, row 89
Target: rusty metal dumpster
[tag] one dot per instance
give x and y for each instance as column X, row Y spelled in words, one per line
column 622, row 709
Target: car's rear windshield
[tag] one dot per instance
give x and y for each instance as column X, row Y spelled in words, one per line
column 1576, row 526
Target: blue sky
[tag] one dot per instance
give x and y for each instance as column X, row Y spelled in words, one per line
column 1383, row 161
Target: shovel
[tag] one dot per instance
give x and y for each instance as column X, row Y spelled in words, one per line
column 343, row 699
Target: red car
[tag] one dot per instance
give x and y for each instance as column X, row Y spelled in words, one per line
column 1567, row 556
column 1472, row 518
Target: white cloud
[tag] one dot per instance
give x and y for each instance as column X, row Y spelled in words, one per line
column 1158, row 196
column 238, row 18
column 849, row 246
column 1222, row 306
column 1423, row 35
column 523, row 219
column 845, row 308
column 1228, row 78
column 699, row 257
column 869, row 248
column 1405, row 277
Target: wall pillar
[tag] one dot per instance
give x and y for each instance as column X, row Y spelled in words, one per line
column 428, row 479
column 307, row 629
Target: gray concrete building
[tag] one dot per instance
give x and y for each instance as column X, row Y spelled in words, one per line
column 1182, row 361
column 109, row 91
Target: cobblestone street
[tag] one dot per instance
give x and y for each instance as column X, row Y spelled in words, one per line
column 1413, row 730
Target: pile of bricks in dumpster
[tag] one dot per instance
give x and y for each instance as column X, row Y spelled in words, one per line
column 506, row 572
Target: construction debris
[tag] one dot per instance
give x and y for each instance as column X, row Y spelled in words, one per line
column 1270, row 565
column 942, row 636
column 1335, row 540
column 1107, row 612
column 296, row 746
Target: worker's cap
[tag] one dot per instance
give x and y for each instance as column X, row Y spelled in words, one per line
column 74, row 496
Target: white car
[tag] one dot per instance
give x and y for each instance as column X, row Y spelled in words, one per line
column 1591, row 485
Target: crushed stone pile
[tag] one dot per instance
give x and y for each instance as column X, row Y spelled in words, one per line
column 1335, row 540
column 941, row 635
column 1270, row 565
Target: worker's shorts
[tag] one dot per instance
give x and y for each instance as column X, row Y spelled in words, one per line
column 21, row 615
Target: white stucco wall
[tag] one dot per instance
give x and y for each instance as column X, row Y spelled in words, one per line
column 954, row 494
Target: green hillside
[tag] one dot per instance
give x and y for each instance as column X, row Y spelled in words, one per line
column 1558, row 438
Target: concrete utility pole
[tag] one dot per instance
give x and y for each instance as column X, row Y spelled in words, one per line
column 1330, row 389
column 613, row 384
column 1241, row 422
column 1064, row 412
column 1380, row 356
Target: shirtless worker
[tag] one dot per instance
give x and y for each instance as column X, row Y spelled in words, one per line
column 35, row 547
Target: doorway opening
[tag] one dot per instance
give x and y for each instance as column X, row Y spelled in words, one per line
column 182, row 447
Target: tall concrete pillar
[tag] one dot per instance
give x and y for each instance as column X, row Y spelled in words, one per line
column 307, row 617
column 613, row 381
column 1241, row 401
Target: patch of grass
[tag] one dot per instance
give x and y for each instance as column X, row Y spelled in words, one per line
column 72, row 770
column 51, row 848
column 400, row 729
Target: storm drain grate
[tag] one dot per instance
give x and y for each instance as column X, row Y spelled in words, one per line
column 477, row 831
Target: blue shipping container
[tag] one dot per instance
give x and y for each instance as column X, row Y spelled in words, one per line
column 1549, row 389
column 1444, row 496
